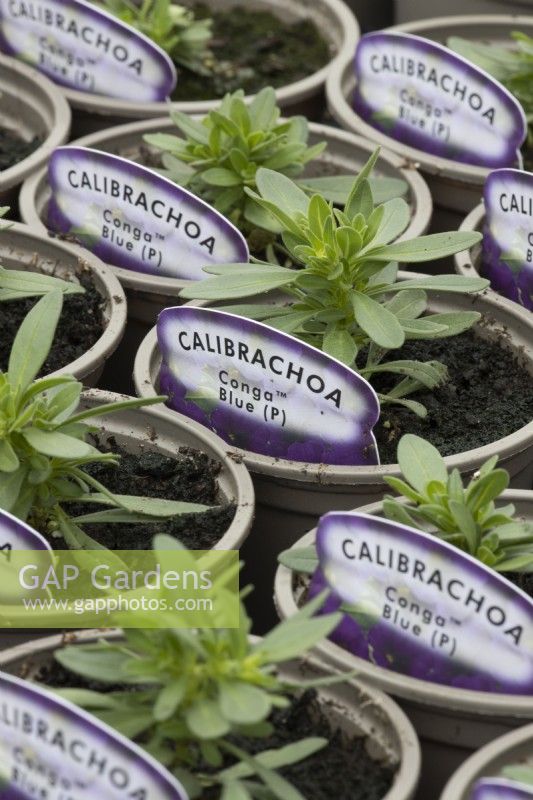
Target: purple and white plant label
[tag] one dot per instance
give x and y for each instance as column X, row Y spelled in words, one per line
column 83, row 47
column 501, row 789
column 52, row 749
column 425, row 96
column 16, row 535
column 508, row 234
column 265, row 391
column 134, row 218
column 421, row 607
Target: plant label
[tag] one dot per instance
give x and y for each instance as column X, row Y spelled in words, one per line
column 418, row 606
column 265, row 391
column 52, row 749
column 16, row 535
column 501, row 789
column 85, row 48
column 134, row 218
column 425, row 96
column 508, row 234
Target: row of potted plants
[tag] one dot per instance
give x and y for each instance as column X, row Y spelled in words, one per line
column 437, row 350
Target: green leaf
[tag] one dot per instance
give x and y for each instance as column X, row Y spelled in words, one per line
column 485, row 489
column 300, row 559
column 396, row 217
column 428, row 248
column 190, row 127
column 234, row 790
column 10, row 487
column 465, row 523
column 295, row 636
column 33, row 341
column 58, row 445
column 277, row 188
column 169, row 698
column 403, row 488
column 147, row 506
column 218, row 176
column 420, row 462
column 340, row 344
column 445, row 283
column 429, row 373
column 9, row 461
column 242, row 703
column 377, row 321
column 280, row 788
column 32, row 284
column 205, row 720
column 281, row 757
column 95, row 662
column 113, row 408
column 86, row 698
column 239, row 284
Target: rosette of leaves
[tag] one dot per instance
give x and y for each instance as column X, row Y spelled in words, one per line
column 171, row 26
column 20, row 284
column 345, row 296
column 194, row 698
column 217, row 158
column 45, row 443
column 512, row 66
column 465, row 516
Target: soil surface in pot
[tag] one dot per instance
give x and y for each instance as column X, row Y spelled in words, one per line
column 192, row 477
column 80, row 326
column 342, row 769
column 14, row 149
column 488, row 396
column 253, row 49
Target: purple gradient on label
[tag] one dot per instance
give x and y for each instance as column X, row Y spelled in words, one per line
column 501, row 789
column 133, row 769
column 19, row 535
column 158, row 228
column 280, row 415
column 419, row 606
column 508, row 234
column 421, row 114
column 130, row 67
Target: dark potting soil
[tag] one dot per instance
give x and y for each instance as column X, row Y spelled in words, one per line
column 80, row 326
column 342, row 769
column 192, row 477
column 13, row 148
column 253, row 49
column 488, row 395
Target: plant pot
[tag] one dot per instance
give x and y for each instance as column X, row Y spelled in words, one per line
column 455, row 187
column 511, row 748
column 155, row 429
column 450, row 722
column 23, row 248
column 31, row 106
column 351, row 706
column 412, row 10
column 149, row 294
column 333, row 19
column 291, row 496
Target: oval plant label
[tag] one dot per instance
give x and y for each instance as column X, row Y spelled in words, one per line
column 427, row 97
column 16, row 535
column 508, row 234
column 52, row 749
column 417, row 605
column 134, row 218
column 265, row 391
column 82, row 47
column 501, row 789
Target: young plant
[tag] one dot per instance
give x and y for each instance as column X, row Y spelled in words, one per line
column 20, row 284
column 346, row 298
column 193, row 698
column 512, row 66
column 219, row 156
column 171, row 26
column 465, row 516
column 44, row 442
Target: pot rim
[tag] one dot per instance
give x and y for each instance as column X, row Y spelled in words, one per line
column 324, row 474
column 410, row 760
column 156, row 284
column 290, row 93
column 424, row 693
column 341, row 110
column 106, row 283
column 57, row 134
column 464, row 262
column 475, row 766
column 207, row 442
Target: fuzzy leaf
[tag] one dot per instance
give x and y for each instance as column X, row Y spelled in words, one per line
column 33, row 341
column 377, row 321
column 420, row 462
column 242, row 703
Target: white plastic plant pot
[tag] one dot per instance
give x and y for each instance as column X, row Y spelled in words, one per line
column 21, row 247
column 515, row 747
column 413, row 10
column 333, row 19
column 454, row 186
column 149, row 294
column 352, row 707
column 451, row 722
column 31, row 107
column 291, row 495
